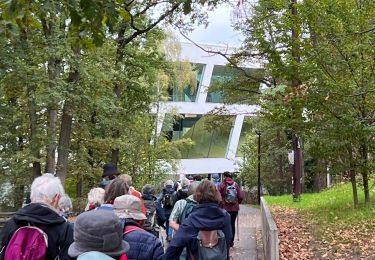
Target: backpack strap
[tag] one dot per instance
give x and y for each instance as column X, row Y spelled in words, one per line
column 129, row 229
column 191, row 255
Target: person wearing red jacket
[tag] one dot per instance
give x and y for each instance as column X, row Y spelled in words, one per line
column 232, row 207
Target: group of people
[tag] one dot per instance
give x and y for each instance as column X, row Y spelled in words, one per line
column 121, row 223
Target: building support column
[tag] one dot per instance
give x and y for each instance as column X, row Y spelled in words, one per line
column 234, row 137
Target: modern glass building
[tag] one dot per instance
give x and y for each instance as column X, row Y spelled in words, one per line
column 216, row 136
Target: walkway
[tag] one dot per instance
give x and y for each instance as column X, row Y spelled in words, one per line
column 246, row 247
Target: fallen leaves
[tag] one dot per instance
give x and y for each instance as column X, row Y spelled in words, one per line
column 301, row 238
column 294, row 234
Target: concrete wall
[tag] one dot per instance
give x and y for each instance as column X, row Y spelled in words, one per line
column 269, row 233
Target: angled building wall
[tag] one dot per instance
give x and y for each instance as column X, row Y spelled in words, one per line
column 216, row 149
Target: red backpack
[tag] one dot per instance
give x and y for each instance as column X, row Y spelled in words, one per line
column 27, row 243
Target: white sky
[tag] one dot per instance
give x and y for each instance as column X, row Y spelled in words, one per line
column 219, row 30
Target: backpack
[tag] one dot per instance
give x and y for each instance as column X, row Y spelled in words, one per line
column 150, row 222
column 231, row 193
column 211, row 245
column 168, row 200
column 181, row 194
column 190, row 205
column 27, row 243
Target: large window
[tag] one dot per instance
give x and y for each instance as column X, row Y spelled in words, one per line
column 226, row 82
column 209, row 133
column 188, row 93
column 220, row 74
column 246, row 128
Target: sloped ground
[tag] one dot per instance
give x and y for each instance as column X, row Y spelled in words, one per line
column 300, row 238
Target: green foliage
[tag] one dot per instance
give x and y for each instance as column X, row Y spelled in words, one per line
column 333, row 205
column 99, row 63
column 319, row 79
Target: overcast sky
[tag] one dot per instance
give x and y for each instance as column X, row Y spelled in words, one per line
column 219, row 30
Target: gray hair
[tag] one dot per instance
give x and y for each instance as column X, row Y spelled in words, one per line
column 44, row 188
column 65, row 204
column 127, row 178
column 192, row 187
column 95, row 197
column 185, row 183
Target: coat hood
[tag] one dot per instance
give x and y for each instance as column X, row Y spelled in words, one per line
column 229, row 180
column 207, row 216
column 38, row 213
column 148, row 197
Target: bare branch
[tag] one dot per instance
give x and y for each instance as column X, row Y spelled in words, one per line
column 230, row 61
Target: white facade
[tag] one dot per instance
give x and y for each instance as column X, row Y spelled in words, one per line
column 200, row 106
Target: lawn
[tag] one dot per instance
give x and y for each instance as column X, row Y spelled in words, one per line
column 331, row 227
column 331, row 205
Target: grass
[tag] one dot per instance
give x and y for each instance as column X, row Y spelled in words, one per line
column 330, row 206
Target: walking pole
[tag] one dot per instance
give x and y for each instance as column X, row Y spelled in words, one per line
column 238, row 229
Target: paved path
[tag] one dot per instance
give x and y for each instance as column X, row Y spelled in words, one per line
column 246, row 247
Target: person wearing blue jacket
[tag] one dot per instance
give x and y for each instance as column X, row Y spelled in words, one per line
column 143, row 245
column 207, row 215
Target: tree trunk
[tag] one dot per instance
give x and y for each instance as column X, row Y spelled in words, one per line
column 35, row 149
column 352, row 178
column 31, row 106
column 364, row 172
column 354, row 187
column 66, row 126
column 54, row 68
column 51, row 135
column 280, row 164
column 79, row 186
column 19, row 196
column 64, row 143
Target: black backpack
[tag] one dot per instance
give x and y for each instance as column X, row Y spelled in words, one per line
column 168, row 200
column 181, row 194
column 150, row 222
column 190, row 205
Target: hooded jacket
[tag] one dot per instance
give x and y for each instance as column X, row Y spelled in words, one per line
column 159, row 210
column 143, row 245
column 167, row 190
column 59, row 232
column 206, row 216
column 223, row 190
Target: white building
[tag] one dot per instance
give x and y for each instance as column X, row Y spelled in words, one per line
column 215, row 150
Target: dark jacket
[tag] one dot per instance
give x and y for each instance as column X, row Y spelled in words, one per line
column 206, row 216
column 159, row 210
column 167, row 190
column 143, row 245
column 223, row 189
column 59, row 232
column 181, row 194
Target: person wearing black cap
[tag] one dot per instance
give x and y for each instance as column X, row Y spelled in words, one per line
column 110, row 172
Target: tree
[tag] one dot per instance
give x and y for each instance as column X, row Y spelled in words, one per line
column 77, row 77
column 327, row 48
